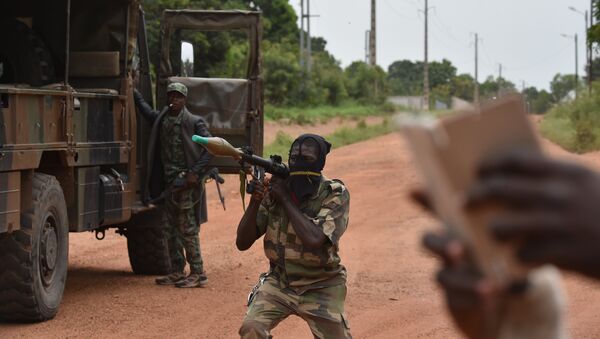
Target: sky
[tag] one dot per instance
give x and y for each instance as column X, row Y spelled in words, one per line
column 522, row 35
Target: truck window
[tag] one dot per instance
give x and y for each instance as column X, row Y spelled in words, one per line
column 187, row 59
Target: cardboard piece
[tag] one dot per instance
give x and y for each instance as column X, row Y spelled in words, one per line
column 447, row 153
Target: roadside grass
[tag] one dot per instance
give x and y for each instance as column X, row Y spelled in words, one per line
column 559, row 130
column 575, row 125
column 341, row 137
column 322, row 114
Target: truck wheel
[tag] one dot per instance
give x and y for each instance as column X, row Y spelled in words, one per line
column 34, row 259
column 24, row 57
column 147, row 244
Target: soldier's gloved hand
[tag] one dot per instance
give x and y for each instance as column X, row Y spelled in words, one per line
column 278, row 189
column 551, row 212
column 191, row 179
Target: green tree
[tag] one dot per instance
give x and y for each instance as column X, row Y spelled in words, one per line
column 561, row 85
column 463, row 86
column 494, row 87
column 539, row 102
column 365, row 83
column 281, row 71
column 441, row 73
column 593, row 32
column 279, row 20
column 327, row 78
column 405, row 78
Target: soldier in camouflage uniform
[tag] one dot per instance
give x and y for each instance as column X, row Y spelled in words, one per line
column 302, row 219
column 175, row 161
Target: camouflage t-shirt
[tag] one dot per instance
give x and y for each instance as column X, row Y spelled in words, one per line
column 172, row 152
column 300, row 268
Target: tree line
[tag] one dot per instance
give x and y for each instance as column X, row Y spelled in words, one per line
column 223, row 54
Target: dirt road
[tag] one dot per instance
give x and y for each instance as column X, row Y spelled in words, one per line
column 391, row 292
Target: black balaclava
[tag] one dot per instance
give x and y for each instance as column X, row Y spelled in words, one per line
column 305, row 176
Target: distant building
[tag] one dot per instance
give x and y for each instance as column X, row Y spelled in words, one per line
column 416, row 103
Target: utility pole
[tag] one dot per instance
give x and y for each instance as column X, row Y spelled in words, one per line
column 302, row 34
column 426, row 61
column 576, row 67
column 373, row 34
column 476, row 96
column 367, row 33
column 576, row 61
column 588, row 48
column 527, row 104
column 373, row 43
column 499, row 94
column 309, row 42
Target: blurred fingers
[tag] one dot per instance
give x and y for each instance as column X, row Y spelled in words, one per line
column 530, row 163
column 448, row 248
column 519, row 192
column 421, row 198
column 464, row 281
column 532, row 224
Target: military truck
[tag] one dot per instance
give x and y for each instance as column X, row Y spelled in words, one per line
column 73, row 147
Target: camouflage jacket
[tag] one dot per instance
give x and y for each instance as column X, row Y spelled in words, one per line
column 172, row 152
column 300, row 268
column 196, row 157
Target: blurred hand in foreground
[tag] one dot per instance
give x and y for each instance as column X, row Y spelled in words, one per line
column 551, row 209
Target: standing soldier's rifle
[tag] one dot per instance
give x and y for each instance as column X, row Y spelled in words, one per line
column 179, row 185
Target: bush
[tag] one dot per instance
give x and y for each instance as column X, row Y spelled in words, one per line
column 280, row 146
column 575, row 125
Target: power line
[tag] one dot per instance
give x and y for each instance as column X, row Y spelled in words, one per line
column 544, row 60
column 397, row 12
column 445, row 28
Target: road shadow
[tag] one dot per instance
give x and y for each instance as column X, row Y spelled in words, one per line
column 93, row 280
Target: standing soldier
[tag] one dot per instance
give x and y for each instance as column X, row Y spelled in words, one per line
column 302, row 219
column 176, row 165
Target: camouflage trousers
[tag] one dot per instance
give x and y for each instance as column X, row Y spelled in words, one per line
column 182, row 232
column 321, row 308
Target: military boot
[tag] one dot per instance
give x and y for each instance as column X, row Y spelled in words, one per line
column 170, row 279
column 193, row 280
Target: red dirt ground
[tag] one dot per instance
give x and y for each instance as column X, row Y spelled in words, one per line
column 391, row 292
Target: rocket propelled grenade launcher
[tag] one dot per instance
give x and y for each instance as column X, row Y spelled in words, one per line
column 221, row 147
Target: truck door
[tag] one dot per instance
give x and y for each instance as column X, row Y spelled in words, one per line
column 221, row 68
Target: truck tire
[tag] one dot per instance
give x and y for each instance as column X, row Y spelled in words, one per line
column 147, row 244
column 25, row 58
column 34, row 259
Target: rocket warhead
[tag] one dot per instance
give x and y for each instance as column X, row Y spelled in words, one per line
column 218, row 146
